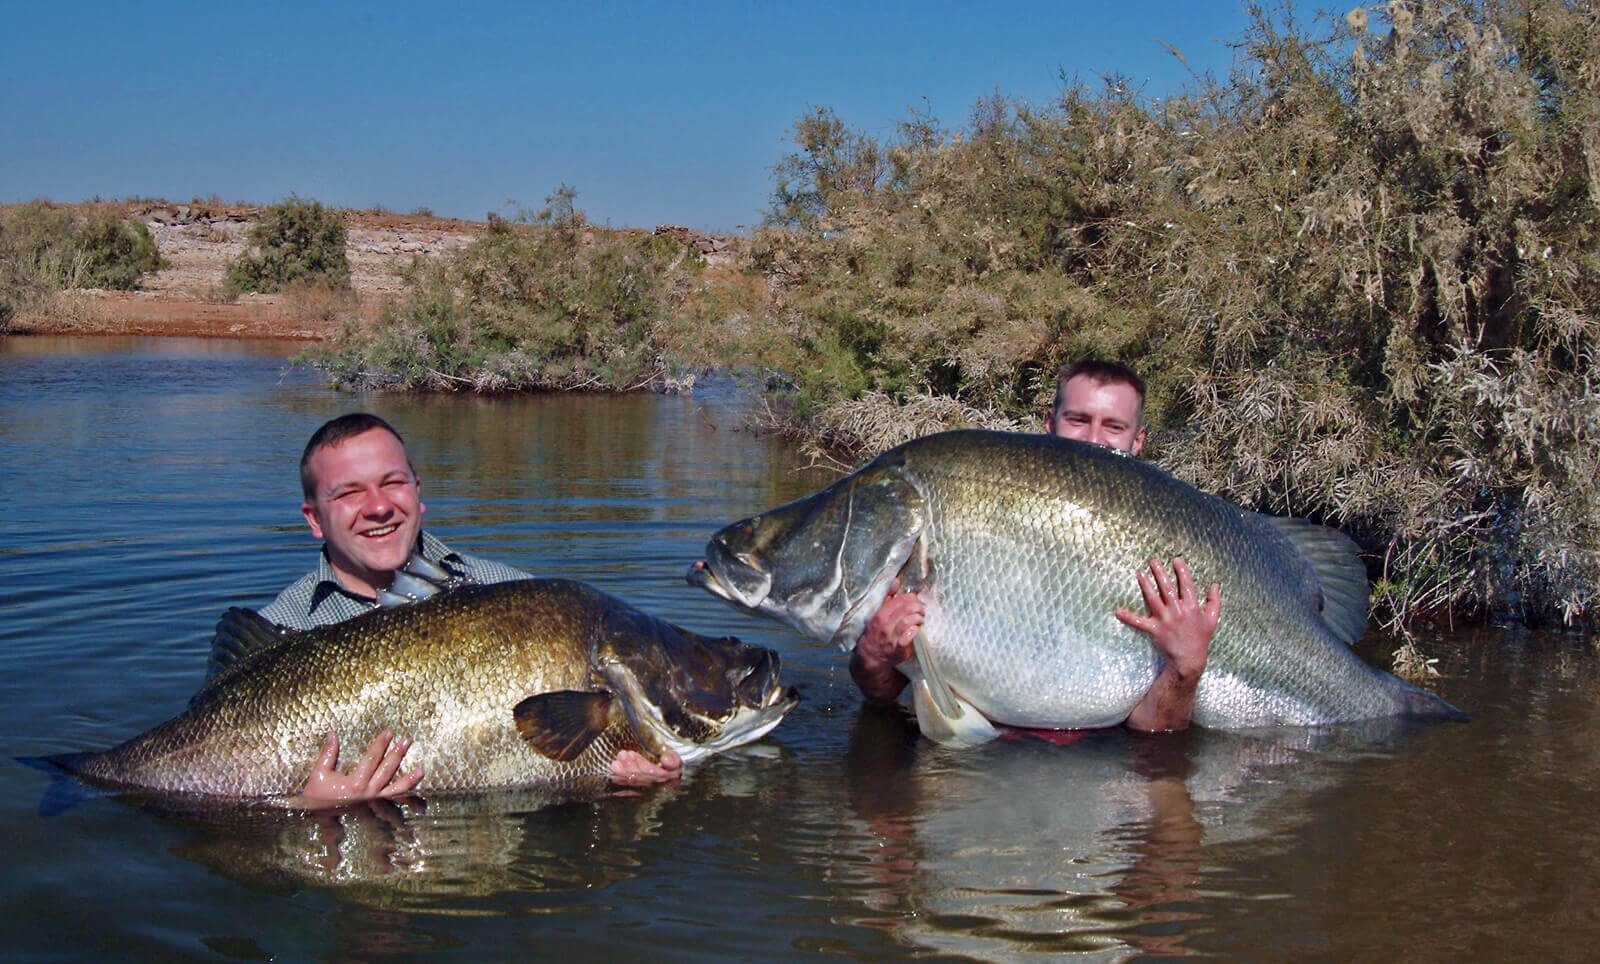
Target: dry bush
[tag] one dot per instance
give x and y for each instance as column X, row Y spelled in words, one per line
column 318, row 303
column 552, row 304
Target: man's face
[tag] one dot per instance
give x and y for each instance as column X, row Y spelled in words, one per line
column 366, row 507
column 1105, row 413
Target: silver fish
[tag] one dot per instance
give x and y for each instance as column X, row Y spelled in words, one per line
column 520, row 684
column 1023, row 546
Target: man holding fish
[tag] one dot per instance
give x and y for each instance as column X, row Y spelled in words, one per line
column 362, row 498
column 1103, row 403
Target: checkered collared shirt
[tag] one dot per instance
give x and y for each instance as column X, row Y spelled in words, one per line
column 317, row 598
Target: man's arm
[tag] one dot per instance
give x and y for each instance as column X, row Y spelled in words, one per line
column 885, row 644
column 1181, row 627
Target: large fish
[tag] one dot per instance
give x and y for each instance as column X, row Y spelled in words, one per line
column 1023, row 547
column 529, row 683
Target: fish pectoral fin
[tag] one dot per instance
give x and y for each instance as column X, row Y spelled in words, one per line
column 943, row 716
column 561, row 725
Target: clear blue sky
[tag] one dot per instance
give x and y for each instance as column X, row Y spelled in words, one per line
column 655, row 112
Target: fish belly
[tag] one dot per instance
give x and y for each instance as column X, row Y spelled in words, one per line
column 1026, row 655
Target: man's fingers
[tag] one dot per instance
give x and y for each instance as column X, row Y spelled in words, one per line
column 1159, row 572
column 390, row 764
column 1152, row 595
column 402, row 784
column 1185, row 578
column 1213, row 604
column 1143, row 623
column 373, row 756
column 329, row 755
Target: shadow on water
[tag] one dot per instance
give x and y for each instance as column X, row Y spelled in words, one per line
column 152, row 487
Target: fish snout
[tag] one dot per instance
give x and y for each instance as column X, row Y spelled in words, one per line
column 736, row 577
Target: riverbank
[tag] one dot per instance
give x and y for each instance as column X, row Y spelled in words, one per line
column 189, row 297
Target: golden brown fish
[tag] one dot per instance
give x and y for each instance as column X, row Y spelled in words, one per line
column 529, row 683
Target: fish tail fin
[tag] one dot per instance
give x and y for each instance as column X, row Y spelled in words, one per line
column 1423, row 705
column 66, row 790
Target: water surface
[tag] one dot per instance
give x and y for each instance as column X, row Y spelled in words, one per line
column 150, row 484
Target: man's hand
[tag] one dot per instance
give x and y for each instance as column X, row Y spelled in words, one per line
column 631, row 769
column 1181, row 627
column 373, row 777
column 886, row 643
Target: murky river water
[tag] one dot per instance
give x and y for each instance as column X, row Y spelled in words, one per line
column 150, row 484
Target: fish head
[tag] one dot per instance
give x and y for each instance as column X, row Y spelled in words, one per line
column 694, row 694
column 824, row 563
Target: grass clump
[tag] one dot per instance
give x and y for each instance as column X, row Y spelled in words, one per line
column 46, row 250
column 543, row 302
column 295, row 242
column 1360, row 274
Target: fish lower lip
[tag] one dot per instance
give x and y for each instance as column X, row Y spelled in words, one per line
column 701, row 575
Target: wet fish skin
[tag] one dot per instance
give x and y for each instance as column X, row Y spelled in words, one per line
column 1025, row 545
column 473, row 676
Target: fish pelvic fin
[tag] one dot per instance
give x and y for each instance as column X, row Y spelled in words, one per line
column 1340, row 576
column 943, row 717
column 563, row 724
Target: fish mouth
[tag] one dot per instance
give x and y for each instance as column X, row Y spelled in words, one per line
column 730, row 578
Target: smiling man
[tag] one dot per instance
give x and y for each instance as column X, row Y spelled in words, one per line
column 363, row 499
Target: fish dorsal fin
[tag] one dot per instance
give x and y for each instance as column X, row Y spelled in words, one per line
column 561, row 725
column 240, row 632
column 1341, row 578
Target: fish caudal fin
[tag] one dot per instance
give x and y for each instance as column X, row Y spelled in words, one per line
column 1420, row 704
column 944, row 717
column 66, row 790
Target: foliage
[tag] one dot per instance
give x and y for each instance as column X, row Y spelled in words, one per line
column 542, row 303
column 1360, row 274
column 46, row 249
column 295, row 241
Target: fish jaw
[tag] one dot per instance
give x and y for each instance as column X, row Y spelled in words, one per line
column 738, row 578
column 821, row 564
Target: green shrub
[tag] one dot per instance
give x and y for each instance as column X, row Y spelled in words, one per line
column 46, row 249
column 116, row 252
column 296, row 241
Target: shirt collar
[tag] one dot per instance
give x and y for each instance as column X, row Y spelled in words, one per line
column 328, row 584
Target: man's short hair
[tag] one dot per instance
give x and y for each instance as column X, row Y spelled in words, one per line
column 335, row 431
column 1103, row 372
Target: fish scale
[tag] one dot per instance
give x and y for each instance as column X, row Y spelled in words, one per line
column 1032, row 543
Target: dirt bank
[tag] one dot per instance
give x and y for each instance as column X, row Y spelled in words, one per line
column 197, row 240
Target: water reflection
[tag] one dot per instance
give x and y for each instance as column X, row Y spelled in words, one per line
column 1096, row 846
